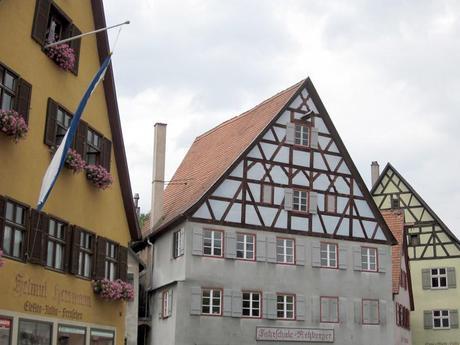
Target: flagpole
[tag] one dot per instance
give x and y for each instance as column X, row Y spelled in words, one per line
column 85, row 34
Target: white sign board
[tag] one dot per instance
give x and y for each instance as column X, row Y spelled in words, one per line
column 316, row 335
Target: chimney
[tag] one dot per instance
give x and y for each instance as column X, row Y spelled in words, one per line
column 158, row 176
column 375, row 172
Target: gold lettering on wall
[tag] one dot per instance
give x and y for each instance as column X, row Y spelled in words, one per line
column 27, row 287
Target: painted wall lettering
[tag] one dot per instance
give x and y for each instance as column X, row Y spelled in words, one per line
column 295, row 334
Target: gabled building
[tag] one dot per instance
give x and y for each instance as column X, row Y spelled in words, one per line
column 267, row 232
column 83, row 233
column 434, row 256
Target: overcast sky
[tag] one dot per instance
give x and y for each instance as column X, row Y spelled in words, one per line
column 387, row 71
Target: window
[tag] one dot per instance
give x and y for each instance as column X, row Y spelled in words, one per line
column 8, row 81
column 330, row 203
column 63, row 119
column 71, row 335
column 56, row 244
column 85, row 256
column 441, row 319
column 6, row 327
column 438, row 278
column 402, row 316
column 414, row 239
column 34, row 332
column 211, row 301
column 285, row 306
column 395, row 202
column 329, row 309
column 370, row 312
column 328, row 255
column 14, row 230
column 212, row 243
column 369, row 259
column 301, row 135
column 299, row 201
column 178, row 243
column 285, row 250
column 245, row 249
column 93, row 147
column 111, row 261
column 167, row 303
column 251, row 304
column 102, row 337
column 404, row 281
column 266, row 195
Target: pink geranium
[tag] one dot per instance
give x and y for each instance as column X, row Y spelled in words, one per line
column 99, row 176
column 2, row 262
column 113, row 290
column 13, row 124
column 74, row 161
column 63, row 55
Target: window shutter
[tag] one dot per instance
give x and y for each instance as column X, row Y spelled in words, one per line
column 80, row 138
column 197, row 245
column 42, row 11
column 313, row 204
column 382, row 259
column 290, row 133
column 314, row 138
column 227, row 302
column 236, row 303
column 50, row 129
column 270, row 305
column 426, row 279
column 99, row 269
column 106, row 150
column 75, row 45
column 196, row 301
column 453, row 318
column 451, row 279
column 357, row 305
column 230, row 245
column 170, row 301
column 2, row 219
column 357, row 265
column 300, row 307
column 22, row 104
column 68, row 247
column 288, row 196
column 123, row 263
column 427, row 319
column 300, row 252
column 315, row 309
column 182, row 242
column 383, row 312
column 343, row 257
column 271, row 248
column 75, row 250
column 342, row 310
column 36, row 237
column 260, row 248
column 315, row 254
column 324, row 309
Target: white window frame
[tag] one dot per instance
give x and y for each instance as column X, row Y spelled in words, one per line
column 214, row 240
column 328, row 254
column 178, row 239
column 300, row 200
column 438, row 276
column 253, row 298
column 166, row 301
column 303, row 137
column 245, row 241
column 285, row 304
column 330, row 312
column 363, row 307
column 441, row 317
column 282, row 250
column 214, row 294
column 366, row 265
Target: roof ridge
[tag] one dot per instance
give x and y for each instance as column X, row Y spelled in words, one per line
column 237, row 117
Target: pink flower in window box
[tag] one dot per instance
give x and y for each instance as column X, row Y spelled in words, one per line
column 113, row 290
column 74, row 161
column 99, row 176
column 63, row 55
column 2, row 262
column 13, row 124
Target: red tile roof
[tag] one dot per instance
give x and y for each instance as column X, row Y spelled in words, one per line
column 213, row 153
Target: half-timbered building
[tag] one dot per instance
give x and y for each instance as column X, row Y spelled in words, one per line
column 434, row 254
column 268, row 233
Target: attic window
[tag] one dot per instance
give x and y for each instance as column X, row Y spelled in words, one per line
column 301, row 134
column 395, row 202
column 414, row 239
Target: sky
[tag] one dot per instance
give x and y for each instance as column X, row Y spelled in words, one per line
column 387, row 71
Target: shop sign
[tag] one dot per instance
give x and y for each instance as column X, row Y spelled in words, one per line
column 316, row 335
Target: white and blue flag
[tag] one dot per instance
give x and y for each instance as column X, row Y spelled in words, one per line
column 60, row 156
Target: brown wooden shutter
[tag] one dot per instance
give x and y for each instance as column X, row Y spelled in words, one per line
column 67, row 247
column 75, row 45
column 36, row 236
column 2, row 219
column 75, row 249
column 80, row 138
column 22, row 103
column 50, row 129
column 99, row 269
column 123, row 263
column 106, row 149
column 40, row 25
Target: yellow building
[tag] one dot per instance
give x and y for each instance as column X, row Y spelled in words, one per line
column 50, row 258
column 434, row 254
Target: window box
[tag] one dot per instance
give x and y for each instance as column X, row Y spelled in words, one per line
column 99, row 176
column 74, row 162
column 63, row 55
column 13, row 125
column 113, row 290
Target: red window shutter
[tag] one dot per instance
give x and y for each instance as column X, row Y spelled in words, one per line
column 50, row 128
column 36, row 237
column 22, row 103
column 40, row 24
column 75, row 249
column 123, row 263
column 99, row 271
column 75, row 45
column 80, row 138
column 106, row 149
column 2, row 219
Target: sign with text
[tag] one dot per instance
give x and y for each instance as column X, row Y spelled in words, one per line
column 316, row 335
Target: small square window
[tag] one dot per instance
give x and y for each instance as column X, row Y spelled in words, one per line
column 212, row 243
column 328, row 255
column 300, row 200
column 245, row 246
column 211, row 300
column 285, row 251
column 395, row 202
column 285, row 307
column 301, row 135
column 438, row 278
column 251, row 304
column 441, row 319
column 414, row 239
column 369, row 259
